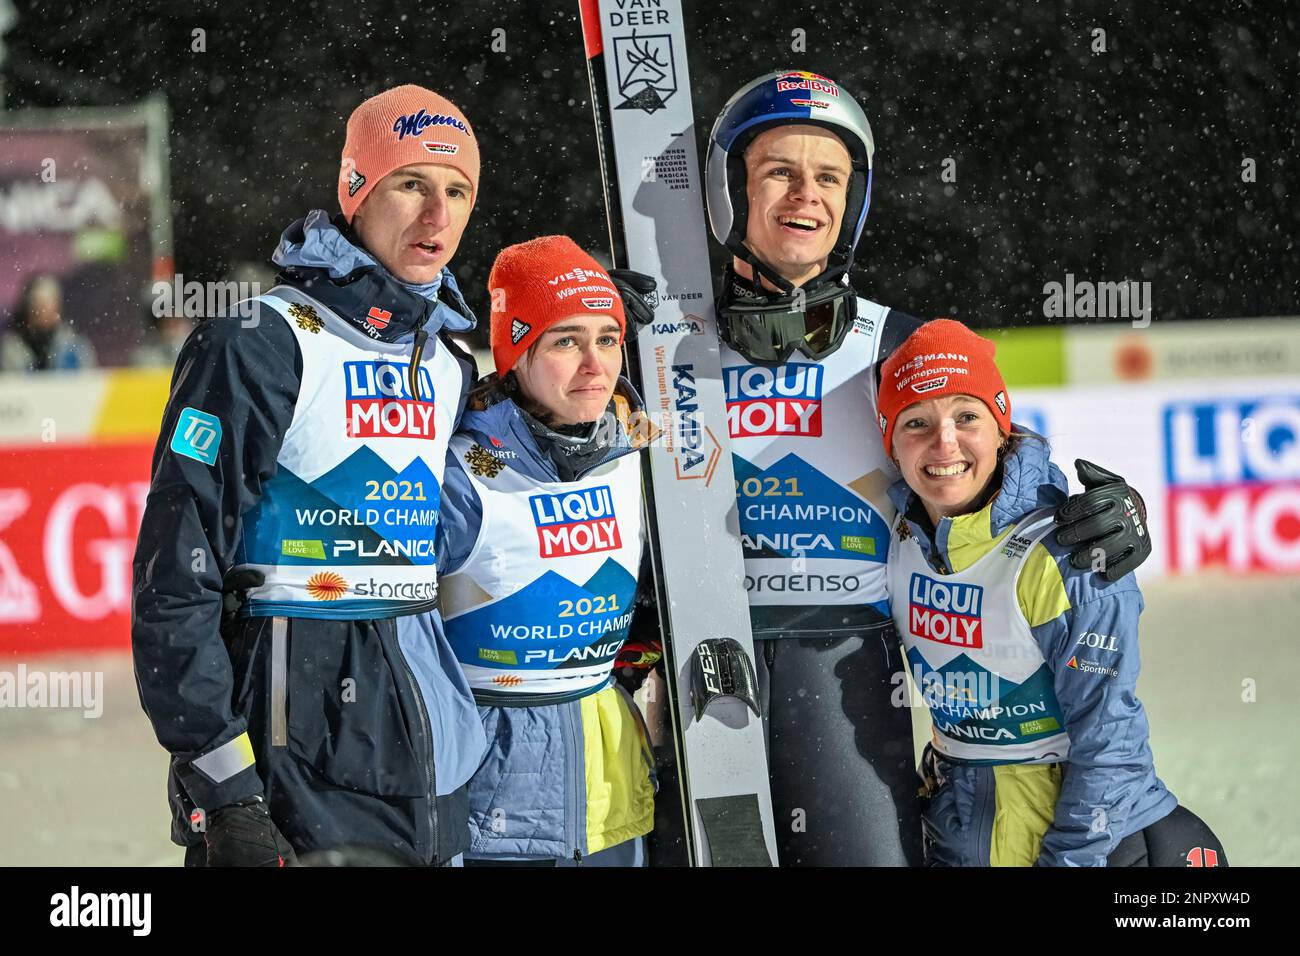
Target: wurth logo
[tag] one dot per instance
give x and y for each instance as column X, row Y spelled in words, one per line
column 946, row 612
column 378, row 318
column 576, row 522
column 774, row 401
column 378, row 401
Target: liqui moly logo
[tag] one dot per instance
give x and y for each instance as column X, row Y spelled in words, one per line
column 945, row 611
column 774, row 401
column 378, row 401
column 576, row 522
column 1233, row 476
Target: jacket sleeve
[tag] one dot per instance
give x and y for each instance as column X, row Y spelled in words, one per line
column 460, row 515
column 232, row 398
column 1110, row 762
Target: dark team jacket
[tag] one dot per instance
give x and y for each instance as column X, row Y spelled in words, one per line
column 251, row 369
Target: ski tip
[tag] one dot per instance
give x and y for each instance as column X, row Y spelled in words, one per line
column 591, row 38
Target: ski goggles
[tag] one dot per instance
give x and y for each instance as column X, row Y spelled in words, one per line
column 768, row 331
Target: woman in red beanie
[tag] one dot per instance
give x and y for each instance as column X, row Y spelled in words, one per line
column 541, row 550
column 1040, row 752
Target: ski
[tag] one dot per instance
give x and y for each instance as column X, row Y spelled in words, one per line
column 645, row 128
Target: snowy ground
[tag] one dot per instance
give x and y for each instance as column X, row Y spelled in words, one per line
column 78, row 791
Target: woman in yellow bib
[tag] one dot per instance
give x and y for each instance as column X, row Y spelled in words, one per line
column 1040, row 752
column 540, row 551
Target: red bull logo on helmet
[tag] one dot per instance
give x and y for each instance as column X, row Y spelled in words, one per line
column 378, row 401
column 774, row 401
column 811, row 82
column 945, row 611
column 576, row 522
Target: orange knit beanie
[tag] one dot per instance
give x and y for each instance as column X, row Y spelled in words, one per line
column 537, row 283
column 941, row 357
column 402, row 127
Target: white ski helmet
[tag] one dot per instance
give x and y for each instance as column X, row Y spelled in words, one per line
column 778, row 99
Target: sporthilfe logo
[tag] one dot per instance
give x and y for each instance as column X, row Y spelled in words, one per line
column 946, row 612
column 774, row 401
column 576, row 522
column 378, row 402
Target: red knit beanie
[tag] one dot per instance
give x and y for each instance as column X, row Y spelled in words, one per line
column 401, row 127
column 537, row 283
column 942, row 357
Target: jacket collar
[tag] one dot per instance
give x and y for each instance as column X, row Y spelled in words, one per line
column 320, row 257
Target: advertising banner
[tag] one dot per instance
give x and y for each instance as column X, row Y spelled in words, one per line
column 83, row 199
column 69, row 515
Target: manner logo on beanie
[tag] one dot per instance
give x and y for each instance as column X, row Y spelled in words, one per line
column 942, row 357
column 536, row 284
column 388, row 131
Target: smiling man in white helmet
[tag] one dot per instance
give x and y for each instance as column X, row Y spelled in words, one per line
column 789, row 172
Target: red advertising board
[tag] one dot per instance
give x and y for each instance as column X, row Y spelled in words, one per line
column 69, row 515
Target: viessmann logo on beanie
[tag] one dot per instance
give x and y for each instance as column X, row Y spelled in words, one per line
column 535, row 284
column 402, row 127
column 942, row 357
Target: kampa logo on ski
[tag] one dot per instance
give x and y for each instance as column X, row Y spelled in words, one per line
column 774, row 401
column 378, row 402
column 689, row 438
column 945, row 612
column 576, row 522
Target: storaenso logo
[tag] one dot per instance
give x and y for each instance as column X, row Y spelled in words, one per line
column 74, row 909
column 802, row 583
column 397, row 590
column 576, row 522
column 1098, row 300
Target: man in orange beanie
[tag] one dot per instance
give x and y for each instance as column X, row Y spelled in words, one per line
column 299, row 468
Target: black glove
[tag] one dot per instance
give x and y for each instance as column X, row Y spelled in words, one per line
column 634, row 288
column 234, row 588
column 1106, row 522
column 243, row 834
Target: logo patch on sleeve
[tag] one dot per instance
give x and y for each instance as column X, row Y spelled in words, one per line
column 197, row 436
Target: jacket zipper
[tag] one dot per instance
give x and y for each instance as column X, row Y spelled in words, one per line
column 413, row 373
column 574, row 714
column 430, row 775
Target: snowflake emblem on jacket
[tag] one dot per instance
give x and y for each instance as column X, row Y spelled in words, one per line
column 306, row 318
column 482, row 462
